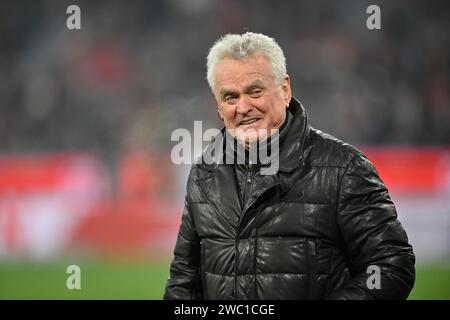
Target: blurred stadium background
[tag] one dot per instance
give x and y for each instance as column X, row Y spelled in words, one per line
column 86, row 118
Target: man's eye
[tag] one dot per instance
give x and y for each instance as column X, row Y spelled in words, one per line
column 256, row 93
column 230, row 99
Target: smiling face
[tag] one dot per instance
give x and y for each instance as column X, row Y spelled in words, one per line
column 250, row 100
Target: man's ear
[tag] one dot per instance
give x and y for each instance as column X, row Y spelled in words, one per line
column 286, row 87
column 219, row 113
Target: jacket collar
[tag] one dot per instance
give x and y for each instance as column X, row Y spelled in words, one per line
column 291, row 148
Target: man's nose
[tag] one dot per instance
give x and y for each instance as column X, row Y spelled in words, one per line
column 243, row 106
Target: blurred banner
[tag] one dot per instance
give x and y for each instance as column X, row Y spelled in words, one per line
column 418, row 180
column 54, row 205
column 60, row 204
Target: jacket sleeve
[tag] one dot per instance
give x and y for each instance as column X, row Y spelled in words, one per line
column 184, row 281
column 373, row 237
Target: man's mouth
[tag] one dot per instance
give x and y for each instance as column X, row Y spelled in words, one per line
column 250, row 121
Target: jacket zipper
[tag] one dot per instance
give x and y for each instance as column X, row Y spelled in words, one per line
column 248, row 184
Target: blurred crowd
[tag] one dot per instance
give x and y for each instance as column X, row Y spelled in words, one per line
column 136, row 70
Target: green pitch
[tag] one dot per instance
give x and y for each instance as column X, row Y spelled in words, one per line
column 144, row 280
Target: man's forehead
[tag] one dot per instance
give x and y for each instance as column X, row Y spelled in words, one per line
column 239, row 77
column 232, row 74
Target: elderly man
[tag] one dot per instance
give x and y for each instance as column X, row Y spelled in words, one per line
column 321, row 227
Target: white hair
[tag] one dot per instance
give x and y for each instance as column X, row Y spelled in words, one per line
column 242, row 46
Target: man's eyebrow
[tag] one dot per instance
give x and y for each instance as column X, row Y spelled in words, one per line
column 255, row 84
column 224, row 92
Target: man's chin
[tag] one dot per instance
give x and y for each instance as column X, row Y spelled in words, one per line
column 251, row 135
column 250, row 140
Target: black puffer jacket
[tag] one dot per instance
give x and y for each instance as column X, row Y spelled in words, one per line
column 308, row 232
